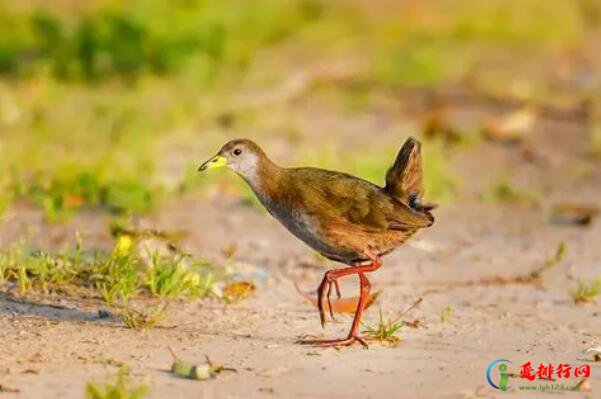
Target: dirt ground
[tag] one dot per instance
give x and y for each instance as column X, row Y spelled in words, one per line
column 53, row 346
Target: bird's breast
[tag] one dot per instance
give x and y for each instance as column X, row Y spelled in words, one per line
column 298, row 221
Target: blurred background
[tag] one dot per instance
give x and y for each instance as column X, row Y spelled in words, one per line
column 110, row 105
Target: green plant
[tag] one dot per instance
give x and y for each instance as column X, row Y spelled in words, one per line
column 446, row 313
column 4, row 268
column 171, row 276
column 504, row 191
column 439, row 183
column 119, row 387
column 586, row 292
column 384, row 330
column 117, row 277
column 596, row 141
column 138, row 317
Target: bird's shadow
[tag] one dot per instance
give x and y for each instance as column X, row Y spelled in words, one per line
column 12, row 305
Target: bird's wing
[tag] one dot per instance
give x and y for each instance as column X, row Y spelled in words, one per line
column 341, row 197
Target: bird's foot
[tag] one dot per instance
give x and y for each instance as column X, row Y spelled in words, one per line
column 323, row 293
column 324, row 343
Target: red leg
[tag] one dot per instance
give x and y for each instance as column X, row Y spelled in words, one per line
column 330, row 278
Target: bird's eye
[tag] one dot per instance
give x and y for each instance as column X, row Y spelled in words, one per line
column 237, row 151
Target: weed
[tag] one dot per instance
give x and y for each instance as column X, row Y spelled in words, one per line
column 559, row 253
column 62, row 195
column 139, row 318
column 120, row 388
column 446, row 314
column 504, row 191
column 4, row 268
column 536, row 274
column 596, row 141
column 171, row 276
column 439, row 184
column 386, row 331
column 117, row 276
column 586, row 292
column 237, row 291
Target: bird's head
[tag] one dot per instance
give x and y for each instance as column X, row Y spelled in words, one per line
column 242, row 156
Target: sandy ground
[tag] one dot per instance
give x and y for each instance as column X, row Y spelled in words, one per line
column 50, row 352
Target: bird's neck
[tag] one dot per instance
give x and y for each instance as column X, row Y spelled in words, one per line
column 265, row 178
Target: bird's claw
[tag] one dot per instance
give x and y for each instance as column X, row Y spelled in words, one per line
column 324, row 292
column 325, row 343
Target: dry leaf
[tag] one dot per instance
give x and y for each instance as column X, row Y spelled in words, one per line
column 73, row 201
column 436, row 126
column 583, row 385
column 595, row 352
column 342, row 305
column 238, row 290
column 229, row 250
column 4, row 388
column 272, row 373
column 413, row 323
column 572, row 213
column 511, row 128
column 201, row 371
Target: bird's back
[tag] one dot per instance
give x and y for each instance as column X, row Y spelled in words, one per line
column 340, row 215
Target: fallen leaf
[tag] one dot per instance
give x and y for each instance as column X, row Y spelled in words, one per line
column 73, row 201
column 510, row 128
column 201, row 371
column 31, row 371
column 4, row 388
column 573, row 213
column 272, row 373
column 229, row 250
column 237, row 291
column 583, row 385
column 596, row 352
column 413, row 323
column 342, row 305
column 436, row 126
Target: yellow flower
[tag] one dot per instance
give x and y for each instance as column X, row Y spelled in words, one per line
column 193, row 279
column 124, row 244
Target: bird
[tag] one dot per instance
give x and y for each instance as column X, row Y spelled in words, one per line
column 344, row 218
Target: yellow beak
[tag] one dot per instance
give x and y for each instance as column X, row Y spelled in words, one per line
column 216, row 162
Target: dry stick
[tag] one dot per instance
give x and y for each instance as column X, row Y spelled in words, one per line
column 172, row 352
column 413, row 305
column 526, row 278
column 409, row 308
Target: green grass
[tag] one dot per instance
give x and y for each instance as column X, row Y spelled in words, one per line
column 436, row 42
column 172, row 276
column 446, row 313
column 127, row 39
column 385, row 331
column 504, row 191
column 118, row 387
column 586, row 291
column 122, row 278
column 139, row 317
column 94, row 99
column 596, row 141
column 97, row 101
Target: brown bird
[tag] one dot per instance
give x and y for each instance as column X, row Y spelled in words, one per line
column 344, row 218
